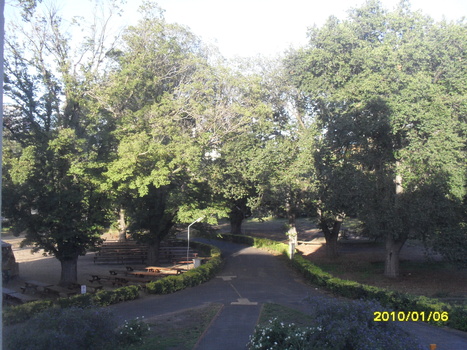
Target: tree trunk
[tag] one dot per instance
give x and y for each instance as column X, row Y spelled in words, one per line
column 153, row 254
column 122, row 226
column 236, row 217
column 393, row 249
column 394, row 246
column 331, row 237
column 69, row 273
column 291, row 213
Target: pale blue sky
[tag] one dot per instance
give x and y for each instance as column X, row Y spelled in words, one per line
column 252, row 27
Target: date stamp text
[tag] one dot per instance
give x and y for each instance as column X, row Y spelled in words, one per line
column 405, row 316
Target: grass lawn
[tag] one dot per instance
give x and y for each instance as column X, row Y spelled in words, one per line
column 178, row 331
column 283, row 314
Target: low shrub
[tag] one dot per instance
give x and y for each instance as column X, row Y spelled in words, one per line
column 335, row 325
column 70, row 328
column 109, row 297
column 132, row 332
column 281, row 336
column 80, row 300
column 21, row 313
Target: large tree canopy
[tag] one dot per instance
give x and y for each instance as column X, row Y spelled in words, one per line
column 53, row 141
column 387, row 90
column 157, row 129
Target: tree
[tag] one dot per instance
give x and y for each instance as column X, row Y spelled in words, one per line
column 240, row 170
column 386, row 91
column 159, row 144
column 54, row 141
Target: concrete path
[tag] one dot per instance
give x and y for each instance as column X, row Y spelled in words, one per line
column 251, row 277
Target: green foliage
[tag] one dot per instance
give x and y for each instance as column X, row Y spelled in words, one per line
column 54, row 141
column 21, row 313
column 382, row 89
column 133, row 332
column 70, row 328
column 278, row 335
column 105, row 298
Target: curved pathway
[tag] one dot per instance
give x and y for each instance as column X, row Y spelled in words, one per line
column 249, row 278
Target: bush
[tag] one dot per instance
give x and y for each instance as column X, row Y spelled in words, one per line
column 351, row 325
column 80, row 300
column 21, row 313
column 336, row 325
column 280, row 336
column 70, row 328
column 105, row 297
column 133, row 332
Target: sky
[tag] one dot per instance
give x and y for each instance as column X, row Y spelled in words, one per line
column 259, row 27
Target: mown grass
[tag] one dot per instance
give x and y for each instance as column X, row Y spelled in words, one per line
column 284, row 314
column 178, row 331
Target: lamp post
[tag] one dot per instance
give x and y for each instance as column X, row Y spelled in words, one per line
column 188, row 248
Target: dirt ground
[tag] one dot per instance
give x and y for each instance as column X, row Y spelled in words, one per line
column 47, row 269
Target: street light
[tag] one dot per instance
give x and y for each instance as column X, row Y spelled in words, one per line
column 188, row 248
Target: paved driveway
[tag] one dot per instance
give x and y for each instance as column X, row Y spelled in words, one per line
column 251, row 277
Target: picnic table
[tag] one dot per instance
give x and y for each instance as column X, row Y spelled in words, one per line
column 146, row 274
column 32, row 286
column 99, row 278
column 166, row 270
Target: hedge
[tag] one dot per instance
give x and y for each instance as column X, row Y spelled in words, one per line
column 170, row 284
column 350, row 289
column 21, row 313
